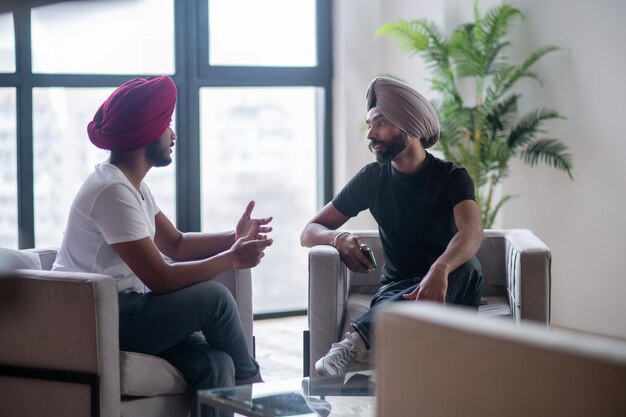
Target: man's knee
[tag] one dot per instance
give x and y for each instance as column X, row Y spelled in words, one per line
column 212, row 292
column 211, row 288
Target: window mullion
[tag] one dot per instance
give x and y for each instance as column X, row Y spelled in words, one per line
column 24, row 100
column 188, row 154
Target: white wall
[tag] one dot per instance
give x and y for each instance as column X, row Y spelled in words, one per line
column 579, row 220
column 582, row 221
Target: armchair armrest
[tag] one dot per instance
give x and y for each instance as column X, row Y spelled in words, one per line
column 65, row 322
column 327, row 295
column 528, row 265
column 239, row 283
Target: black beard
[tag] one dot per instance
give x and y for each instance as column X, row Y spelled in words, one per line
column 395, row 145
column 158, row 156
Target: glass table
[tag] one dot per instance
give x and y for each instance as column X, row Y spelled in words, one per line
column 346, row 396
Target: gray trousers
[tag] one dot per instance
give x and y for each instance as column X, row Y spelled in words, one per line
column 165, row 325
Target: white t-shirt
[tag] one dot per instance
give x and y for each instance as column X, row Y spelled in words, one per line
column 106, row 210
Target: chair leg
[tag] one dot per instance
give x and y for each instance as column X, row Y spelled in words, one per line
column 306, row 353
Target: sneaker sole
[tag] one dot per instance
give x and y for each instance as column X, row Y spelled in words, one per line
column 321, row 370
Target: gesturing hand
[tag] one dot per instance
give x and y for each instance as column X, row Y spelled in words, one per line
column 249, row 227
column 248, row 251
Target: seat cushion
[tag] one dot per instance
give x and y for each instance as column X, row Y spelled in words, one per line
column 149, row 376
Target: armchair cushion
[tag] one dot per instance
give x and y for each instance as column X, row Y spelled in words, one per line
column 14, row 259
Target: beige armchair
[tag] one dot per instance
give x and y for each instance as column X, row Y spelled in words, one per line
column 59, row 346
column 516, row 284
column 448, row 362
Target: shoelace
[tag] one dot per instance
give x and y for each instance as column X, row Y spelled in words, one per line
column 343, row 357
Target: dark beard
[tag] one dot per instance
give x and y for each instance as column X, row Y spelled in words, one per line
column 393, row 147
column 158, row 156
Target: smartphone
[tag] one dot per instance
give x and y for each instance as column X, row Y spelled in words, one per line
column 369, row 255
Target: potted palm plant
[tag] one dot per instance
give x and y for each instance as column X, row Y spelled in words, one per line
column 485, row 134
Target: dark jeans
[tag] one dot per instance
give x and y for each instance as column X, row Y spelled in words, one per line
column 464, row 288
column 165, row 324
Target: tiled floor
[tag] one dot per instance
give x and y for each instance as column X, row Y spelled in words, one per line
column 279, row 347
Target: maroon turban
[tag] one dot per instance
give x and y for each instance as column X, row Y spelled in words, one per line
column 405, row 108
column 134, row 115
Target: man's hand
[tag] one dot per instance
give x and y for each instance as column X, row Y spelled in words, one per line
column 433, row 287
column 349, row 248
column 249, row 227
column 248, row 251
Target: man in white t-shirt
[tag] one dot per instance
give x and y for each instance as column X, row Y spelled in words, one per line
column 116, row 228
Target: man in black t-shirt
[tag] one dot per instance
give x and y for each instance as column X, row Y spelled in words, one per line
column 429, row 223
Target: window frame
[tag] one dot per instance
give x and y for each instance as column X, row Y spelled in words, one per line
column 192, row 72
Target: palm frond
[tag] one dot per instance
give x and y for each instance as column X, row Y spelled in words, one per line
column 497, row 24
column 494, row 59
column 537, row 55
column 443, row 82
column 501, row 115
column 505, row 76
column 552, row 152
column 466, row 52
column 529, row 126
column 419, row 36
column 495, row 154
column 406, row 36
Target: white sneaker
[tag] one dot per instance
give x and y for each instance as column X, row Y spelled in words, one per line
column 338, row 359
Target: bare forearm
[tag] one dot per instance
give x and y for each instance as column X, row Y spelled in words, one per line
column 461, row 248
column 202, row 245
column 145, row 260
column 183, row 274
column 317, row 234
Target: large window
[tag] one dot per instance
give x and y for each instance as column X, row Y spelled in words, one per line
column 252, row 118
column 262, row 33
column 104, row 37
column 256, row 144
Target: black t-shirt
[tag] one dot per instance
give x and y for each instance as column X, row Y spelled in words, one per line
column 413, row 211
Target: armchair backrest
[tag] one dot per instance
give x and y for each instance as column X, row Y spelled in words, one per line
column 238, row 282
column 46, row 256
